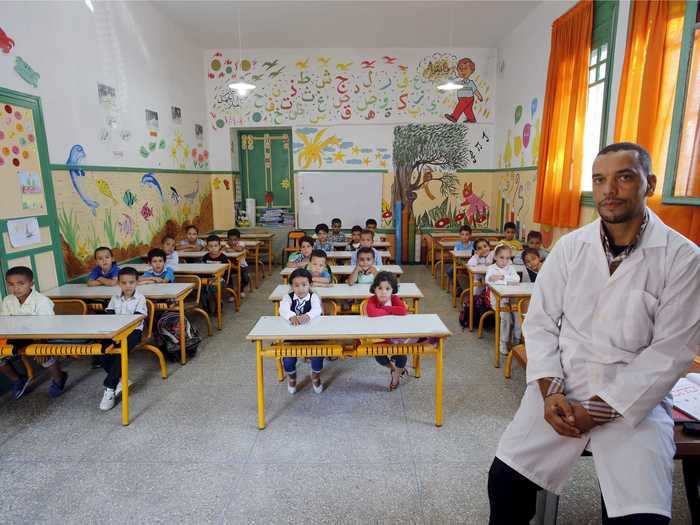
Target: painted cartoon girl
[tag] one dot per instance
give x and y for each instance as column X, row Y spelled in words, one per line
column 465, row 96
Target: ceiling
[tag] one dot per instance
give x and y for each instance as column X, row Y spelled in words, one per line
column 342, row 24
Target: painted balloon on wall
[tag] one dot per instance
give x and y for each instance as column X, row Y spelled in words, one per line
column 533, row 107
column 526, row 135
column 518, row 113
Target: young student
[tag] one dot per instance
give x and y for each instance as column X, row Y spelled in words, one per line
column 371, row 225
column 483, row 256
column 509, row 239
column 127, row 302
column 234, row 242
column 191, row 242
column 534, row 240
column 320, row 272
column 300, row 307
column 366, row 241
column 503, row 272
column 533, row 264
column 354, row 243
column 384, row 301
column 322, row 242
column 214, row 255
column 365, row 271
column 464, row 244
column 336, row 235
column 22, row 299
column 171, row 256
column 106, row 271
column 301, row 258
column 159, row 272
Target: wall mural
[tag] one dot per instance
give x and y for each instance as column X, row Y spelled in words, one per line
column 124, row 210
column 337, row 148
column 515, row 200
column 522, row 144
column 339, row 88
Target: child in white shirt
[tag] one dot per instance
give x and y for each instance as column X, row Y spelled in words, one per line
column 171, row 256
column 503, row 272
column 483, row 256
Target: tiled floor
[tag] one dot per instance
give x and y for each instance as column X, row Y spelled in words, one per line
column 193, row 453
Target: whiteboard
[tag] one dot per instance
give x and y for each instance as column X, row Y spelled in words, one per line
column 353, row 197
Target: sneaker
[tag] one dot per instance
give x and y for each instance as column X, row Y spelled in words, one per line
column 56, row 389
column 19, row 387
column 291, row 389
column 317, row 388
column 108, row 399
column 118, row 390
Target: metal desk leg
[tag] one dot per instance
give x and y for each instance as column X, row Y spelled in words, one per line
column 261, row 386
column 497, row 318
column 454, row 281
column 125, row 379
column 219, row 278
column 471, row 301
column 269, row 255
column 181, row 312
column 438, row 384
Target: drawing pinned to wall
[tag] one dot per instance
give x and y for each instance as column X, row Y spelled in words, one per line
column 23, row 232
column 26, row 72
column 199, row 132
column 151, row 120
column 337, row 89
column 6, row 43
column 176, row 115
column 31, row 190
column 17, row 138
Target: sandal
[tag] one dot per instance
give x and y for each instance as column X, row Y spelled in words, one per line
column 393, row 385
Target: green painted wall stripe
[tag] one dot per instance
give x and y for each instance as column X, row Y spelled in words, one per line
column 499, row 170
column 66, row 167
column 342, row 171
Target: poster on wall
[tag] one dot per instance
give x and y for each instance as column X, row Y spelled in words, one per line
column 23, row 232
column 107, row 97
column 151, row 120
column 176, row 114
column 30, row 190
column 199, row 132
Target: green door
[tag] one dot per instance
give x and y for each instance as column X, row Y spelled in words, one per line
column 27, row 193
column 266, row 167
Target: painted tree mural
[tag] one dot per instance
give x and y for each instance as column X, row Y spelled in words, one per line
column 420, row 150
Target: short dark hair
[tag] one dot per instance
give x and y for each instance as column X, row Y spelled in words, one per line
column 642, row 154
column 306, row 239
column 502, row 247
column 336, row 220
column 479, row 240
column 367, row 232
column 370, row 221
column 213, row 238
column 534, row 234
column 356, row 228
column 365, row 249
column 156, row 252
column 387, row 277
column 465, row 228
column 509, row 225
column 530, row 251
column 318, row 253
column 191, row 227
column 20, row 270
column 165, row 238
column 323, row 227
column 233, row 232
column 128, row 270
column 103, row 249
column 300, row 272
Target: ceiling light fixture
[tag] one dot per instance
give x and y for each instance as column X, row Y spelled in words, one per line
column 451, row 84
column 241, row 87
column 89, row 5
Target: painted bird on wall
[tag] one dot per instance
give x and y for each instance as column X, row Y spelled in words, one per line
column 77, row 154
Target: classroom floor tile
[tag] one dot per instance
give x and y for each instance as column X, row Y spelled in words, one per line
column 193, row 454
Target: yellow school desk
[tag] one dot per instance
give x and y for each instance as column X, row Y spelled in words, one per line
column 303, row 341
column 512, row 292
column 346, row 269
column 215, row 271
column 444, row 246
column 158, row 293
column 234, row 258
column 345, row 292
column 264, row 238
column 345, row 256
column 377, row 244
column 473, row 272
column 67, row 327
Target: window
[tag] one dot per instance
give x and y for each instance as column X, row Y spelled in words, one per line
column 599, row 72
column 682, row 180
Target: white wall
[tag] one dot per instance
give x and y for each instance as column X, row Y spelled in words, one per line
column 525, row 57
column 126, row 45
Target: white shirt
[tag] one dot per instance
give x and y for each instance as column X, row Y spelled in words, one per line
column 377, row 258
column 35, row 304
column 136, row 304
column 286, row 306
column 477, row 260
column 172, row 259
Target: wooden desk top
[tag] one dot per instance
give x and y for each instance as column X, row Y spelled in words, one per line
column 350, row 327
column 192, row 268
column 65, row 326
column 481, row 269
column 265, row 236
column 446, row 243
column 344, row 291
column 461, row 254
column 347, row 254
column 151, row 291
column 376, row 244
column 513, row 290
column 346, row 269
column 199, row 255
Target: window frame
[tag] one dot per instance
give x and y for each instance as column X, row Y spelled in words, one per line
column 690, row 25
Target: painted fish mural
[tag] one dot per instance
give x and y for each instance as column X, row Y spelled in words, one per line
column 129, row 198
column 150, row 180
column 146, row 212
column 174, row 195
column 104, row 189
column 77, row 154
column 126, row 226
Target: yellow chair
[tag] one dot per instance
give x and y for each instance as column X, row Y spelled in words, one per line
column 192, row 301
column 70, row 307
column 517, row 351
column 147, row 339
column 228, row 289
column 293, row 244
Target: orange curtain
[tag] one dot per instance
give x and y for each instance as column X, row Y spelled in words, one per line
column 647, row 94
column 557, row 200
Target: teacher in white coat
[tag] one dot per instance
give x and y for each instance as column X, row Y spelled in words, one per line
column 614, row 321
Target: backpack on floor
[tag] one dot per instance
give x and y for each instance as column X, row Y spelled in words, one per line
column 481, row 306
column 168, row 330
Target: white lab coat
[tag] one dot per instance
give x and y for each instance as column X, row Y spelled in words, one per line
column 626, row 338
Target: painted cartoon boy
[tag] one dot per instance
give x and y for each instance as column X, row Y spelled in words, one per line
column 465, row 96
